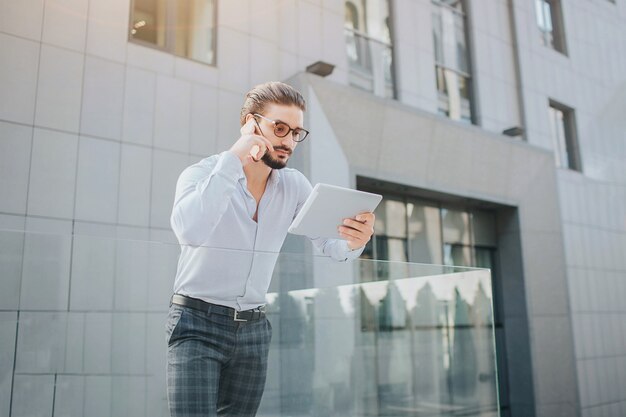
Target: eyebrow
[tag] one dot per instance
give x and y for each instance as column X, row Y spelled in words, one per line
column 280, row 121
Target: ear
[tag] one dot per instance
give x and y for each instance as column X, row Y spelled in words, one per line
column 249, row 117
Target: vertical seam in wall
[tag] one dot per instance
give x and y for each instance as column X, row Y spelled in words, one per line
column 517, row 62
column 30, row 165
column 54, row 392
column 79, row 135
column 154, row 119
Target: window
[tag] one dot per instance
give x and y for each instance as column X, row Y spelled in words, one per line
column 452, row 60
column 550, row 22
column 369, row 47
column 182, row 27
column 411, row 230
column 416, row 230
column 563, row 131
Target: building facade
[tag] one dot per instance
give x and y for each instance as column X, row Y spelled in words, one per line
column 495, row 131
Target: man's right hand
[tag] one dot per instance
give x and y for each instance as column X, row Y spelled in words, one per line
column 250, row 142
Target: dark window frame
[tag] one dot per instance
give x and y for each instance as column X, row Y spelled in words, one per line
column 574, row 160
column 469, row 79
column 557, row 43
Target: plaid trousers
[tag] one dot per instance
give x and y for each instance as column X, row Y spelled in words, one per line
column 215, row 366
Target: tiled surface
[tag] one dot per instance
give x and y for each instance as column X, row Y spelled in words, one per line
column 97, row 181
column 59, row 89
column 8, row 327
column 11, row 258
column 139, row 96
column 18, row 76
column 172, row 108
column 41, row 342
column 122, row 92
column 14, row 13
column 107, row 29
column 45, row 272
column 93, row 273
column 135, row 185
column 65, row 23
column 103, row 98
column 33, row 395
column 15, row 150
column 53, row 174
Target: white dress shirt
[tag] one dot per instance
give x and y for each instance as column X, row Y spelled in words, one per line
column 226, row 257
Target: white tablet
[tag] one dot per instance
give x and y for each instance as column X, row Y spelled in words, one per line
column 326, row 208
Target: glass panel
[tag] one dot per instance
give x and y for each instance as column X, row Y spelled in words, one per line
column 438, row 34
column 484, row 228
column 424, row 233
column 371, row 64
column 351, row 17
column 483, row 258
column 369, row 46
column 557, row 129
column 149, row 21
column 454, row 95
column 377, row 20
column 195, row 30
column 457, row 255
column 395, row 218
column 461, row 63
column 449, row 37
column 455, row 226
column 391, row 218
column 420, row 344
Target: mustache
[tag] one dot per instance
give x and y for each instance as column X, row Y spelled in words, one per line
column 283, row 148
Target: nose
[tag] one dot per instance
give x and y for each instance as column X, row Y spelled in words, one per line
column 289, row 140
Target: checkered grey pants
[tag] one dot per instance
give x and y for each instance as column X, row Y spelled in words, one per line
column 215, row 365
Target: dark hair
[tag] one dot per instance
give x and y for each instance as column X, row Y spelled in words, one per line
column 270, row 92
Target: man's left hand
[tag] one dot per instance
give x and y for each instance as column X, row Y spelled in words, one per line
column 358, row 232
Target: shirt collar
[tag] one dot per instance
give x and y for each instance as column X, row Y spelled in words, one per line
column 273, row 179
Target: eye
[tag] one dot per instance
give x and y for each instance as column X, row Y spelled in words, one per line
column 281, row 129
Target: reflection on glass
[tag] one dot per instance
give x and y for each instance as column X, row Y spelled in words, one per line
column 183, row 27
column 544, row 21
column 421, row 344
column 451, row 59
column 149, row 21
column 455, row 226
column 549, row 21
column 195, row 30
column 416, row 346
column 369, row 46
column 557, row 128
column 484, row 228
column 458, row 255
column 424, row 233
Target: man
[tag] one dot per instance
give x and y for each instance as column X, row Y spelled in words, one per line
column 231, row 214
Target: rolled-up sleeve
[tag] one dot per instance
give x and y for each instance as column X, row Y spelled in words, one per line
column 335, row 248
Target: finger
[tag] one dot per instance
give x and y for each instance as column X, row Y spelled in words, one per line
column 248, row 128
column 254, row 152
column 354, row 224
column 350, row 233
column 366, row 218
column 266, row 143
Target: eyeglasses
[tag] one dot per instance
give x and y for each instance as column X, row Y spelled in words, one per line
column 282, row 129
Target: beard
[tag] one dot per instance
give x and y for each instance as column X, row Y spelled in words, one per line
column 273, row 162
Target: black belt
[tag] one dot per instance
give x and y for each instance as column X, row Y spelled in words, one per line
column 197, row 304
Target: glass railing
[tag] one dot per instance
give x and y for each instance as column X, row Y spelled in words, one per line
column 82, row 331
column 371, row 63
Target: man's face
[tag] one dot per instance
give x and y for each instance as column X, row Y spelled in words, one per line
column 283, row 147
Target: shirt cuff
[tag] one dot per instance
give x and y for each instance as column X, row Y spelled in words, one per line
column 229, row 165
column 353, row 253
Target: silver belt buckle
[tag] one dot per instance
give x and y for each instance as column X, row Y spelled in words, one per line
column 236, row 318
